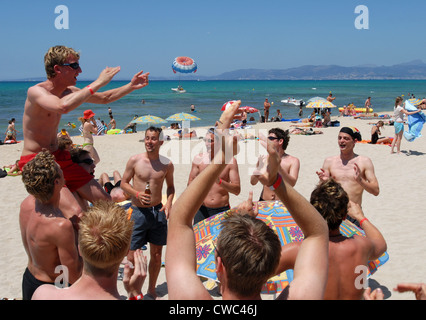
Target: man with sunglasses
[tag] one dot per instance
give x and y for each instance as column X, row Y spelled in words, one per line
column 48, row 100
column 217, row 200
column 289, row 165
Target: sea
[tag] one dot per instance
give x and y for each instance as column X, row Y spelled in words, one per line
column 208, row 97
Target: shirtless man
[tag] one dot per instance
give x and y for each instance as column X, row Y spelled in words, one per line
column 49, row 238
column 266, row 106
column 289, row 165
column 217, row 199
column 345, row 254
column 354, row 172
column 89, row 128
column 48, row 100
column 148, row 213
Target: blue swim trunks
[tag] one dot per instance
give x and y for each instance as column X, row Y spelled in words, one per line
column 150, row 225
column 399, row 126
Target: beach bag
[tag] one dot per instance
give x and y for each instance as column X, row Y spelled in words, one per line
column 335, row 123
column 3, row 173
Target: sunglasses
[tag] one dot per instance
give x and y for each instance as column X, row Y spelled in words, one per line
column 74, row 65
column 86, row 161
column 272, row 138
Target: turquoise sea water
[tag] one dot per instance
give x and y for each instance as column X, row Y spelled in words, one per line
column 209, row 96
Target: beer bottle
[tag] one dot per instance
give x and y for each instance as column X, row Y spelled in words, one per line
column 147, row 189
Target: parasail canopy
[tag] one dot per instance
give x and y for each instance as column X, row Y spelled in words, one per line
column 184, row 65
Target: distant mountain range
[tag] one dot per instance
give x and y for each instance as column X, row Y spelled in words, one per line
column 411, row 70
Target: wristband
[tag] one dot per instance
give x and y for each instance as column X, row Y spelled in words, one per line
column 138, row 297
column 137, row 194
column 220, row 181
column 277, row 183
column 91, row 90
column 362, row 220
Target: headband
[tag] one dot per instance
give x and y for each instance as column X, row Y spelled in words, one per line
column 353, row 132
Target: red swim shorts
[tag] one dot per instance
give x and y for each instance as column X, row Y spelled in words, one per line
column 75, row 176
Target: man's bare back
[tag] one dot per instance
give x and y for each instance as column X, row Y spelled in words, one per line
column 49, row 240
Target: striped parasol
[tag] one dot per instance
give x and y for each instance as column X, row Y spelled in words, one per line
column 182, row 117
column 98, row 124
column 148, row 119
column 320, row 104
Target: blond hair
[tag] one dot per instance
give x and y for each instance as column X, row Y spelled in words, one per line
column 57, row 56
column 104, row 237
column 39, row 176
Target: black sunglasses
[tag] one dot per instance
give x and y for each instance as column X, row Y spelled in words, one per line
column 86, row 161
column 74, row 65
column 272, row 138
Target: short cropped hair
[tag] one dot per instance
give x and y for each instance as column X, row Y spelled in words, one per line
column 77, row 153
column 104, row 237
column 331, row 201
column 39, row 176
column 156, row 129
column 250, row 252
column 57, row 56
column 281, row 134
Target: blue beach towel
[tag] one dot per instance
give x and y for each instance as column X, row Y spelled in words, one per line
column 415, row 123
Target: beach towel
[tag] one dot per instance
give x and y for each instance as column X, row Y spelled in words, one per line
column 415, row 123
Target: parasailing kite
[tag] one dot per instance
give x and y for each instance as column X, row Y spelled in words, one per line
column 183, row 65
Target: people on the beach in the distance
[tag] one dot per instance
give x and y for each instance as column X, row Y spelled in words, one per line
column 48, row 100
column 112, row 123
column 49, row 238
column 217, row 199
column 116, row 192
column 375, row 134
column 11, row 132
column 289, row 165
column 90, row 128
column 367, row 105
column 149, row 170
column 247, row 250
column 104, row 239
column 266, row 107
column 13, row 169
column 398, row 117
column 354, row 172
column 345, row 254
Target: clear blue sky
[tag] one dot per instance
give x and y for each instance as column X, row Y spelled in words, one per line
column 221, row 35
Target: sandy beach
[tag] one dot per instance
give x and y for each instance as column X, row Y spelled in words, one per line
column 398, row 211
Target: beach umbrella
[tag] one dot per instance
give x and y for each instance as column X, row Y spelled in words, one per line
column 319, row 104
column 317, row 99
column 182, row 117
column 414, row 101
column 248, row 109
column 277, row 217
column 148, row 119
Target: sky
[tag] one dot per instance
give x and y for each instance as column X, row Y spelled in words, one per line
column 220, row 35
